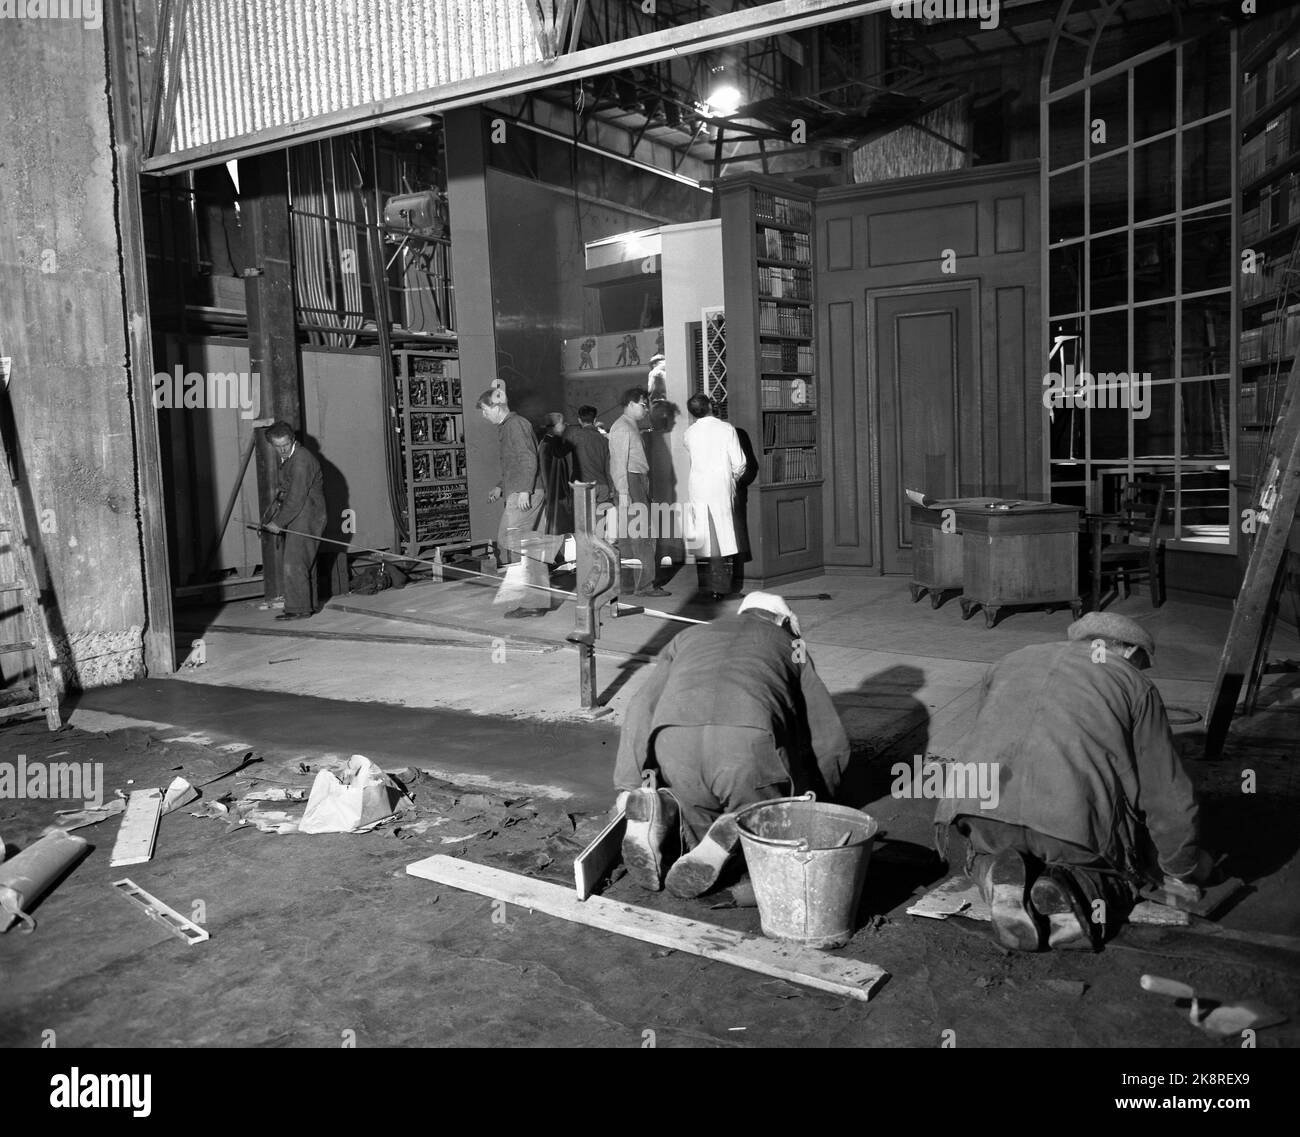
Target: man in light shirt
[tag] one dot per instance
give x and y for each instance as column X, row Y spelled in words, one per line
column 629, row 470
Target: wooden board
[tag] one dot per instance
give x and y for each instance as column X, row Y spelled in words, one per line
column 960, row 896
column 599, row 857
column 837, row 974
column 139, row 829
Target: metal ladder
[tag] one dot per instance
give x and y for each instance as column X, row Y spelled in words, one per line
column 13, row 537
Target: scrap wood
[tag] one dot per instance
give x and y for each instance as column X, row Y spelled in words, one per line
column 808, row 966
column 139, row 829
column 71, row 819
column 1206, row 904
column 594, row 862
column 960, row 896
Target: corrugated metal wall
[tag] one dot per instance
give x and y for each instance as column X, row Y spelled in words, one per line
column 251, row 65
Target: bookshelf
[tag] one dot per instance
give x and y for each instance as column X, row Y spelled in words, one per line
column 770, row 291
column 432, row 422
column 1270, row 228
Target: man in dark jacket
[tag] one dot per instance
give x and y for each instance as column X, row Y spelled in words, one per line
column 1092, row 800
column 732, row 714
column 299, row 505
column 590, row 453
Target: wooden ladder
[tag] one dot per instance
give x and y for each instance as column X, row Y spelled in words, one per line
column 1273, row 513
column 13, row 535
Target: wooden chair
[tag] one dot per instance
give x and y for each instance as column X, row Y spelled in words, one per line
column 1135, row 549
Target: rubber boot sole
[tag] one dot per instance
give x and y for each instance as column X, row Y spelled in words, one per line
column 1013, row 918
column 698, row 871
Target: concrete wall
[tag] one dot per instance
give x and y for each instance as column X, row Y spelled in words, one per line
column 692, row 280
column 61, row 322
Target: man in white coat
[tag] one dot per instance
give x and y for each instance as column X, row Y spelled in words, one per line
column 717, row 464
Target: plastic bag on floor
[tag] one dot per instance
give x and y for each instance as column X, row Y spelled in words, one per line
column 365, row 795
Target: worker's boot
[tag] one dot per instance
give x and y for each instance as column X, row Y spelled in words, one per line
column 698, row 871
column 1070, row 926
column 650, row 841
column 1003, row 883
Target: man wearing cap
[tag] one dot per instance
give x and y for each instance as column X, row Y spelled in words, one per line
column 733, row 713
column 1093, row 800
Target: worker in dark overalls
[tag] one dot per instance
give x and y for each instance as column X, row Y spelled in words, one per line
column 732, row 714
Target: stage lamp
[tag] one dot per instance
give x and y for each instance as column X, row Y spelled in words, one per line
column 724, row 96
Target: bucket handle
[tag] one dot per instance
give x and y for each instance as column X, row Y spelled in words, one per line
column 798, row 845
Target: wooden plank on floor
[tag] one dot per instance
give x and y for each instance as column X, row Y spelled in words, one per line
column 808, row 966
column 139, row 829
column 591, row 865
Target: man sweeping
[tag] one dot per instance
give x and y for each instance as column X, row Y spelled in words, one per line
column 1093, row 800
column 299, row 506
column 733, row 713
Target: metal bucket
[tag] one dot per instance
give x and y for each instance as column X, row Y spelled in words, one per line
column 808, row 861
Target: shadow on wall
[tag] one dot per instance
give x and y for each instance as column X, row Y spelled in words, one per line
column 332, row 560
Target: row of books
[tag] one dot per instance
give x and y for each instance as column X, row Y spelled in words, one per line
column 1277, row 142
column 785, row 283
column 1265, row 281
column 789, row 466
column 775, row 320
column 1273, row 339
column 782, row 210
column 796, row 394
column 786, row 357
column 1279, row 74
column 1278, row 205
column 1259, row 402
column 783, row 245
column 790, row 430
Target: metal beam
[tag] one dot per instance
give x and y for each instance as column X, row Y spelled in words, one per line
column 773, row 18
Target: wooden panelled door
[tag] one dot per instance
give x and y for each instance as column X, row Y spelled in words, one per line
column 924, row 362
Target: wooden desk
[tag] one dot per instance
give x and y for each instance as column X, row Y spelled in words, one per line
column 936, row 556
column 1028, row 555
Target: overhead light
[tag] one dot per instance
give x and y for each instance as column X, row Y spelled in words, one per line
column 724, row 96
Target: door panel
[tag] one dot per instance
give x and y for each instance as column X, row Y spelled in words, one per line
column 924, row 362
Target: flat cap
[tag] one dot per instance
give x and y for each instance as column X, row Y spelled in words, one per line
column 1112, row 626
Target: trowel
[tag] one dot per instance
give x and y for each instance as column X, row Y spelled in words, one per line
column 1212, row 1015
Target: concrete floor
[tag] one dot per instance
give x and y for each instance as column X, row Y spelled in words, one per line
column 313, row 936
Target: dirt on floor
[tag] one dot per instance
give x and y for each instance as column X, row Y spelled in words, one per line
column 320, row 940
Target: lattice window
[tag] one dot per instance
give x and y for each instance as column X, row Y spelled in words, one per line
column 714, row 373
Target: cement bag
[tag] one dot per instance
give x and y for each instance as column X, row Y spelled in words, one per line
column 365, row 795
column 26, row 877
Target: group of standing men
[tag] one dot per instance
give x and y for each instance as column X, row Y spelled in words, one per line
column 618, row 465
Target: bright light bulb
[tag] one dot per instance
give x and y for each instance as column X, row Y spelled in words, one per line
column 725, row 98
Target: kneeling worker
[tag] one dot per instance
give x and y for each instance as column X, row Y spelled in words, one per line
column 1093, row 800
column 732, row 714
